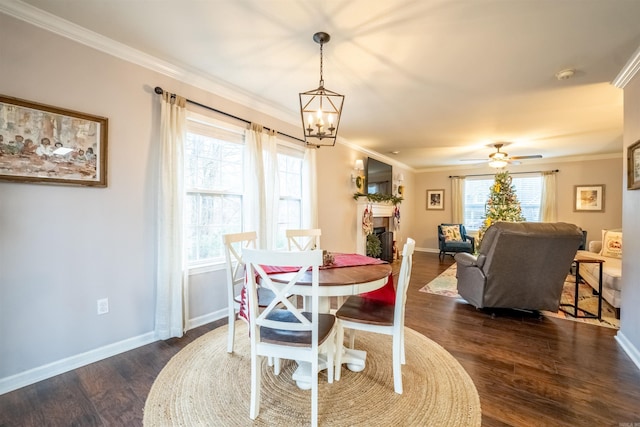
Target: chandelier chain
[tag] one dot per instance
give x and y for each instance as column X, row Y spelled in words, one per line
column 321, row 77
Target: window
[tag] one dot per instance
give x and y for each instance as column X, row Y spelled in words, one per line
column 214, row 186
column 290, row 202
column 476, row 193
column 214, row 181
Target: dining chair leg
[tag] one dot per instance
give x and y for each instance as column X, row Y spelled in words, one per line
column 352, row 337
column 256, row 375
column 331, row 356
column 232, row 329
column 402, row 359
column 338, row 351
column 397, row 367
column 314, row 393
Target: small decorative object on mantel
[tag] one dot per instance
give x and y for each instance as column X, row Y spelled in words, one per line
column 377, row 198
column 50, row 145
column 633, row 166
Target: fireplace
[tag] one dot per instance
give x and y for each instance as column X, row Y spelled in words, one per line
column 386, row 240
column 382, row 227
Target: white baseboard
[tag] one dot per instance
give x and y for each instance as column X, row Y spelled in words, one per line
column 58, row 367
column 207, row 318
column 435, row 251
column 49, row 370
column 629, row 348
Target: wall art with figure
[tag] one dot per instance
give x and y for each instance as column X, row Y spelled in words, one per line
column 45, row 144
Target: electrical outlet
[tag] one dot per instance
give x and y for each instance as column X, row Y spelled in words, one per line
column 103, row 306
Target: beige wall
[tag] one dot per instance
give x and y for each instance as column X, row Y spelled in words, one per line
column 629, row 334
column 606, row 171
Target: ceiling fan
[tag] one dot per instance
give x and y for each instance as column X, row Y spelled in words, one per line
column 500, row 159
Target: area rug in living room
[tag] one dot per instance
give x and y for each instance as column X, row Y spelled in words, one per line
column 446, row 284
column 203, row 385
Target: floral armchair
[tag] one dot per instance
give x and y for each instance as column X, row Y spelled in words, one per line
column 453, row 238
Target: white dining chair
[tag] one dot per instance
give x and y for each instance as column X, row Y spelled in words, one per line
column 358, row 313
column 303, row 239
column 289, row 332
column 235, row 244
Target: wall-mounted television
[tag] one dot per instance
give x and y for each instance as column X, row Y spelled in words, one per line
column 379, row 177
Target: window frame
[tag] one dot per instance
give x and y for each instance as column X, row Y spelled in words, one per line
column 210, row 127
column 489, row 182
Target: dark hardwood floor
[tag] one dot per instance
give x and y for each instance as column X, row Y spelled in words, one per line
column 528, row 371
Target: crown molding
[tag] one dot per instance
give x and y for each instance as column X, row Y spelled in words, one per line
column 629, row 71
column 54, row 24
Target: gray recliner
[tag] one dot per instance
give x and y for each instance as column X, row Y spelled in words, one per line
column 520, row 265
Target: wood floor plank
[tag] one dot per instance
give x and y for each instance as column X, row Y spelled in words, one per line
column 529, row 371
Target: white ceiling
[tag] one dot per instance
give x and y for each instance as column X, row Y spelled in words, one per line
column 435, row 80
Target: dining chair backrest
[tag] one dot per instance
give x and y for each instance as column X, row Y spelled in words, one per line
column 289, row 332
column 234, row 246
column 403, row 282
column 303, row 239
column 302, row 260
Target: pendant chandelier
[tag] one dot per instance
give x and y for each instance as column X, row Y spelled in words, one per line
column 320, row 108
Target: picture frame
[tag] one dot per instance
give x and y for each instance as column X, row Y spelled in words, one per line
column 588, row 198
column 435, row 200
column 633, row 166
column 50, row 145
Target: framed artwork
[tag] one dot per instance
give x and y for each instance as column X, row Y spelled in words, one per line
column 49, row 145
column 588, row 198
column 435, row 200
column 633, row 166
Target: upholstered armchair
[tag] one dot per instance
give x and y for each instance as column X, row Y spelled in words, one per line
column 520, row 265
column 453, row 238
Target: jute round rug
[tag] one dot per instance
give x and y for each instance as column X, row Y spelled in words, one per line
column 203, row 385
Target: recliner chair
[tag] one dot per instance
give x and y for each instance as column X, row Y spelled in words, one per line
column 520, row 265
column 461, row 243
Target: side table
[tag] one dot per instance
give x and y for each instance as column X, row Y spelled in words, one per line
column 587, row 315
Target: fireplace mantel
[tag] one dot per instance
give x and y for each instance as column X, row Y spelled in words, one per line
column 380, row 210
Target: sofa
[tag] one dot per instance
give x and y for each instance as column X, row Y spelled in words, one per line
column 520, row 265
column 608, row 249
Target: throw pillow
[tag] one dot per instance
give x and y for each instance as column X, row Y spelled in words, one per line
column 451, row 233
column 611, row 244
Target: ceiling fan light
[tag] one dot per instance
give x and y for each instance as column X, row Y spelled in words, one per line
column 498, row 163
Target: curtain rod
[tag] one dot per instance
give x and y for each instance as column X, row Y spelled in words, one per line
column 160, row 91
column 510, row 173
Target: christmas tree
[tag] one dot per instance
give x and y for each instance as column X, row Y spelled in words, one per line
column 503, row 204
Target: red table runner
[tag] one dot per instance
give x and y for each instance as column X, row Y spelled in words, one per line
column 385, row 294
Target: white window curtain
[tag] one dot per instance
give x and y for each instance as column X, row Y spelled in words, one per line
column 457, row 200
column 309, row 189
column 262, row 150
column 170, row 286
column 548, row 203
